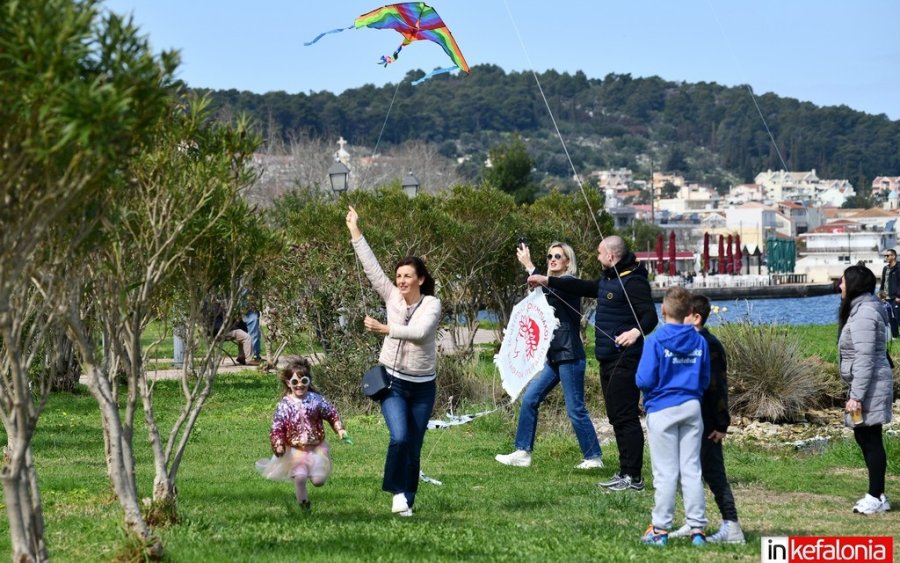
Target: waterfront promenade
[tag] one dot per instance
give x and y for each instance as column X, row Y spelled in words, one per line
column 724, row 287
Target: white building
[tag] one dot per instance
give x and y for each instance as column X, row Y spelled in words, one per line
column 781, row 186
column 692, row 197
column 825, row 255
column 745, row 193
column 883, row 184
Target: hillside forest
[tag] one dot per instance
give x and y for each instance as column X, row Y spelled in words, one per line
column 706, row 132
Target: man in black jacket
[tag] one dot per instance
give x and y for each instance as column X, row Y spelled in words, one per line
column 625, row 314
column 890, row 285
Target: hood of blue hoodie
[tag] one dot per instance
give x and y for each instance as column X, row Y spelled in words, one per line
column 674, row 367
column 681, row 339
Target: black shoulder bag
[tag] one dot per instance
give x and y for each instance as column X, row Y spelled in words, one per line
column 376, row 381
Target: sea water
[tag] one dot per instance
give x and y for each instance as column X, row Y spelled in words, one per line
column 820, row 310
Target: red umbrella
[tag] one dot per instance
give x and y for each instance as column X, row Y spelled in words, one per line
column 705, row 253
column 738, row 256
column 671, row 253
column 721, row 254
column 729, row 257
column 659, row 253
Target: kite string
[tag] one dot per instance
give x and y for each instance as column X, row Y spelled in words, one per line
column 571, row 164
column 553, row 119
column 727, row 43
column 362, row 296
column 380, row 135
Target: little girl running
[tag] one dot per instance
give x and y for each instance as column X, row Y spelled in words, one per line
column 298, row 436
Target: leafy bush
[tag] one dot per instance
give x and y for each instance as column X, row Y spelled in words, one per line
column 769, row 377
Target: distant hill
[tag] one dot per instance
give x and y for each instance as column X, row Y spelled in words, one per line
column 708, row 132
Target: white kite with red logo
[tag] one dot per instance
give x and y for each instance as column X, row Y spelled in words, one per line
column 526, row 341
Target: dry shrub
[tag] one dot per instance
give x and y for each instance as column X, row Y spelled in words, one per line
column 835, row 392
column 458, row 383
column 769, row 377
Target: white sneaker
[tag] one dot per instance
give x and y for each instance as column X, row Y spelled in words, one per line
column 885, row 503
column 519, row 458
column 399, row 503
column 870, row 505
column 681, row 532
column 593, row 463
column 406, row 513
column 730, row 532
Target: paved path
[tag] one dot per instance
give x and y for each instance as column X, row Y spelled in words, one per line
column 227, row 366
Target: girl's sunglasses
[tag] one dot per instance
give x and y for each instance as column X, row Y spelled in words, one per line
column 555, row 257
column 298, row 381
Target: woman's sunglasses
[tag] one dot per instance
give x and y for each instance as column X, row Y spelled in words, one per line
column 298, row 381
column 555, row 257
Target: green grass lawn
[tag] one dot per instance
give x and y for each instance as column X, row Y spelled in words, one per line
column 483, row 510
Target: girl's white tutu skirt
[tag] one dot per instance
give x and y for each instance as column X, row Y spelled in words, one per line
column 309, row 461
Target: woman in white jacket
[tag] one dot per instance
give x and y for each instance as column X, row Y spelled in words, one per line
column 865, row 368
column 409, row 354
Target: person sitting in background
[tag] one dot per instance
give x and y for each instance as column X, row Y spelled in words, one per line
column 236, row 331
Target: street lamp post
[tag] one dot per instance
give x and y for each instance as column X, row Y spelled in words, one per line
column 339, row 175
column 849, row 260
column 410, row 184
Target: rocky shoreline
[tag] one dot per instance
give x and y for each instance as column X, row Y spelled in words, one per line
column 822, row 426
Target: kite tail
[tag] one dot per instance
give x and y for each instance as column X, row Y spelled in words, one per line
column 388, row 59
column 434, row 72
column 321, row 35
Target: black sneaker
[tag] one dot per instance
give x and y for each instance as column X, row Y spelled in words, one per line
column 628, row 484
column 305, row 506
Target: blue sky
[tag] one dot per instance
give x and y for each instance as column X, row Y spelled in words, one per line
column 829, row 52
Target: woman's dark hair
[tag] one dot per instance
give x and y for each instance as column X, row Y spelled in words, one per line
column 427, row 287
column 299, row 366
column 858, row 280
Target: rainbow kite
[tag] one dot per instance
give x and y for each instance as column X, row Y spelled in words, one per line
column 414, row 21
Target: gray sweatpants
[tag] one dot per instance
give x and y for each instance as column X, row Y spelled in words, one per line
column 674, row 435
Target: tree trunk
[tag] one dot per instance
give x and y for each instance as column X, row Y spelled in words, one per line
column 17, row 528
column 118, row 455
column 36, row 520
column 64, row 368
column 26, row 525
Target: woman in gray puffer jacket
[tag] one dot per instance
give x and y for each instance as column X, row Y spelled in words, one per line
column 865, row 368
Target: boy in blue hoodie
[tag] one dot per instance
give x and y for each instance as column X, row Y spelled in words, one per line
column 673, row 374
column 715, row 428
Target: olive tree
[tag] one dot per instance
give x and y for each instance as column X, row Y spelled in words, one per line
column 175, row 207
column 77, row 94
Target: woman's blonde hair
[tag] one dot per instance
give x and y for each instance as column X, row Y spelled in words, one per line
column 572, row 268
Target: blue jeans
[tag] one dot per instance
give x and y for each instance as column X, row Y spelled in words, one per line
column 406, row 410
column 251, row 319
column 571, row 375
